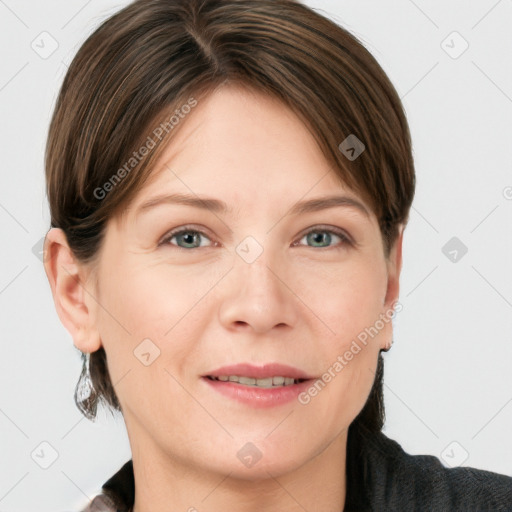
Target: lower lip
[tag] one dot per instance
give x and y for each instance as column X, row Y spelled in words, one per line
column 258, row 397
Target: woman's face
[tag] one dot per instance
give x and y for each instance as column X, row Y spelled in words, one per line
column 261, row 282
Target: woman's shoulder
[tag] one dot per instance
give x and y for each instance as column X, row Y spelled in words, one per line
column 397, row 480
column 381, row 475
column 117, row 493
column 101, row 503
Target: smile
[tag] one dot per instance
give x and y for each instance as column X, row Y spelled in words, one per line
column 268, row 382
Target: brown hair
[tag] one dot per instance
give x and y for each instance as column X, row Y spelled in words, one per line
column 143, row 69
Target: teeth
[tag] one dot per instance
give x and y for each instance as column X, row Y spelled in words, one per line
column 247, row 381
column 261, row 383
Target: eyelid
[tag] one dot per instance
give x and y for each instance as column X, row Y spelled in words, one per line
column 346, row 238
column 186, row 228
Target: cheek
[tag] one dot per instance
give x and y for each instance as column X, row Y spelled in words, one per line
column 154, row 309
column 346, row 298
column 351, row 305
column 147, row 333
column 153, row 299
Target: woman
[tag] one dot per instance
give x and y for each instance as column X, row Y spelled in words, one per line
column 229, row 182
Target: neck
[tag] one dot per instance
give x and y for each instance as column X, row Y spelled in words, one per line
column 164, row 483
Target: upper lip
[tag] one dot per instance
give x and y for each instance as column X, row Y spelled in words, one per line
column 260, row 372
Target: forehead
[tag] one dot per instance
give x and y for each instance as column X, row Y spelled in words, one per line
column 247, row 149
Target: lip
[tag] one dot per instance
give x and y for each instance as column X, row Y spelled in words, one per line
column 259, row 398
column 260, row 372
column 254, row 396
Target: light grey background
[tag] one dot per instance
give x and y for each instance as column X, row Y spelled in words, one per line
column 448, row 376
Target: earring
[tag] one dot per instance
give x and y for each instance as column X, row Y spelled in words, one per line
column 85, row 386
column 388, row 346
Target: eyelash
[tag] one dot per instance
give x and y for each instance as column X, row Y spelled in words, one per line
column 345, row 240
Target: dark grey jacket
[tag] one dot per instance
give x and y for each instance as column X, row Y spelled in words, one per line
column 381, row 476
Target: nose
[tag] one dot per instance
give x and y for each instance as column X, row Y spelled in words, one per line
column 259, row 296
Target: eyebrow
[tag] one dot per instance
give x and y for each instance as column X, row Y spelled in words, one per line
column 217, row 206
column 205, row 203
column 323, row 203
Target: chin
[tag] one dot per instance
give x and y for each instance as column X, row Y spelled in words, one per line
column 261, row 470
column 258, row 460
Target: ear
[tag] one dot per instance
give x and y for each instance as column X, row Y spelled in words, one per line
column 73, row 291
column 394, row 264
column 394, row 267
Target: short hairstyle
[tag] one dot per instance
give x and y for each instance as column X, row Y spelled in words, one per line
column 145, row 67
